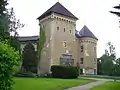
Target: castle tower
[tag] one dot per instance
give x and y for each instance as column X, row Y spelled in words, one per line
column 60, row 47
column 87, row 55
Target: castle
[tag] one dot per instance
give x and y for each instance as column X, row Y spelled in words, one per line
column 64, row 44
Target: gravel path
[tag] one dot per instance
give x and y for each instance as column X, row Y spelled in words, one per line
column 89, row 85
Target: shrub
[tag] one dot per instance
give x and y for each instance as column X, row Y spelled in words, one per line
column 64, row 71
column 9, row 59
column 29, row 58
column 28, row 74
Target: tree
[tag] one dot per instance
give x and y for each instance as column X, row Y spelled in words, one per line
column 29, row 58
column 106, row 61
column 99, row 68
column 8, row 21
column 14, row 24
column 117, row 67
column 14, row 42
column 3, row 4
column 116, row 12
column 3, row 18
column 9, row 25
column 9, row 58
column 42, row 40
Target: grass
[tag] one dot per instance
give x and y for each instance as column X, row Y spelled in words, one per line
column 102, row 77
column 108, row 86
column 46, row 83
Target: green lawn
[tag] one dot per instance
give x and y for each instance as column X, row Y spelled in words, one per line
column 108, row 86
column 46, row 83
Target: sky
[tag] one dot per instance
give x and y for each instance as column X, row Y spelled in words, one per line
column 92, row 13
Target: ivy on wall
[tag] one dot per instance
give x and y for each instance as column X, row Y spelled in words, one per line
column 41, row 42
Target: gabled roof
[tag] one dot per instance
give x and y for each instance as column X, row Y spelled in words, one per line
column 28, row 38
column 85, row 32
column 59, row 9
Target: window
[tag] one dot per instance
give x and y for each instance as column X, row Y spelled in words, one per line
column 94, row 48
column 81, row 60
column 64, row 44
column 64, row 29
column 66, row 60
column 81, row 48
column 57, row 28
column 94, row 61
column 70, row 31
column 95, row 71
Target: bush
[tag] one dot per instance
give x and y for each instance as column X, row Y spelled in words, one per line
column 9, row 59
column 64, row 71
column 29, row 58
column 27, row 74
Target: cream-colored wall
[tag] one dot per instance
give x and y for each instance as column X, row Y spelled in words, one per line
column 59, row 36
column 89, row 54
column 44, row 64
column 54, row 48
column 51, row 55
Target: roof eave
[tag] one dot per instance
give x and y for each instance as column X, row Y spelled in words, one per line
column 40, row 17
column 87, row 37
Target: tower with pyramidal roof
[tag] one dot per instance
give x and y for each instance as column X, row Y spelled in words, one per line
column 65, row 46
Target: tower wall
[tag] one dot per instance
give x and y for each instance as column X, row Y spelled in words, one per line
column 45, row 61
column 59, row 30
column 89, row 55
column 66, row 33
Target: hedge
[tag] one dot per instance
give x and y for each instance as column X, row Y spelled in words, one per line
column 64, row 71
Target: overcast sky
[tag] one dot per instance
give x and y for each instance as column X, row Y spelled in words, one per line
column 93, row 13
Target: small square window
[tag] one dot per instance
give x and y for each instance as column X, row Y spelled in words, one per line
column 94, row 61
column 81, row 60
column 64, row 29
column 57, row 28
column 81, row 48
column 70, row 31
column 94, row 48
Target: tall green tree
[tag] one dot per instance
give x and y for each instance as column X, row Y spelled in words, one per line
column 3, row 18
column 14, row 23
column 14, row 26
column 106, row 61
column 41, row 42
column 9, row 25
column 117, row 67
column 3, row 4
column 29, row 58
